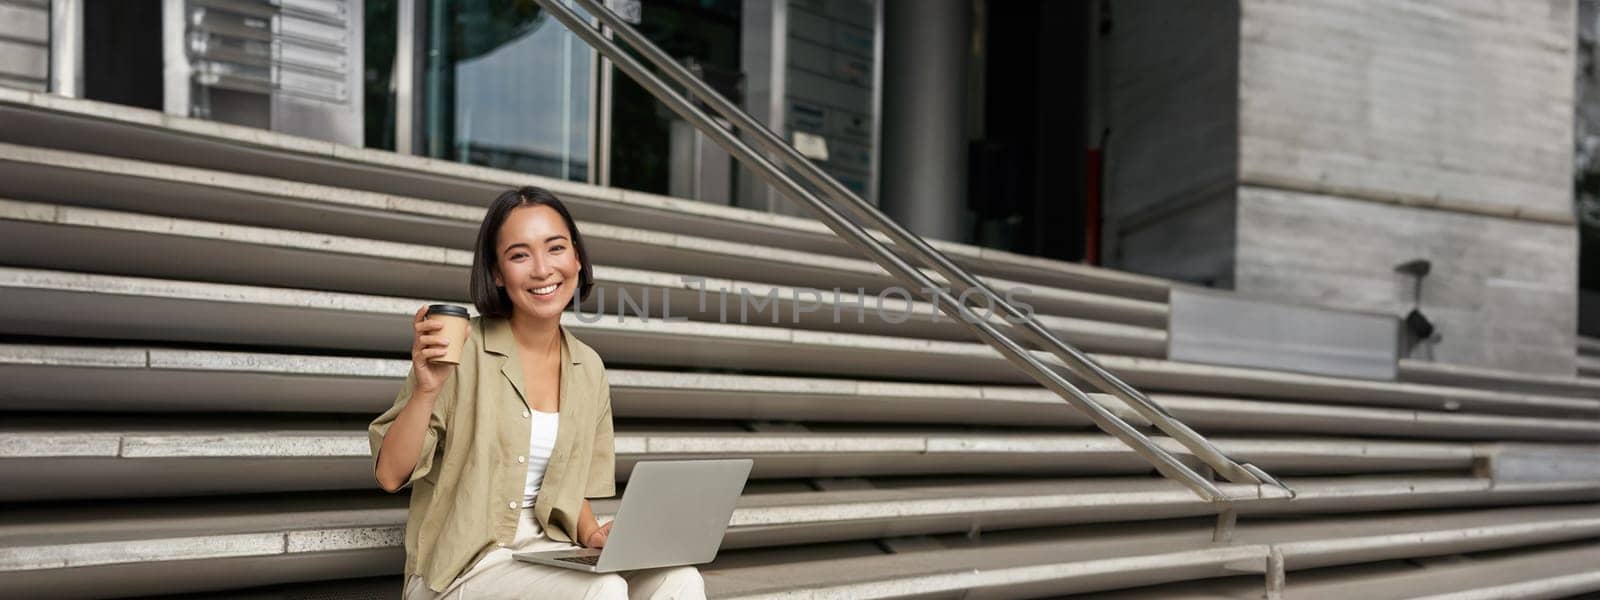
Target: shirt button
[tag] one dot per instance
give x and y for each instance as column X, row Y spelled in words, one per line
column 511, row 505
column 525, row 414
column 501, row 544
column 522, row 459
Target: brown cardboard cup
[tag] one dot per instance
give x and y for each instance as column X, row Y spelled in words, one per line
column 455, row 330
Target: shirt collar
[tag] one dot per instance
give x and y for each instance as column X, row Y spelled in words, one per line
column 499, row 339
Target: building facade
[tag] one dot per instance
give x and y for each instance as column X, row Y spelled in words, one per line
column 1293, row 151
column 1340, row 140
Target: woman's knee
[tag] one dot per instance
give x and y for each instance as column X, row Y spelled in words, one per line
column 684, row 583
column 667, row 583
column 607, row 587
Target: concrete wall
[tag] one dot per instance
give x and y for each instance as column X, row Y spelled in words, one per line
column 1503, row 292
column 1354, row 114
column 1468, row 103
column 1170, row 103
column 25, row 44
column 1299, row 150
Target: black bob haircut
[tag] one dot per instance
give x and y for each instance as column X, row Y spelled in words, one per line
column 492, row 300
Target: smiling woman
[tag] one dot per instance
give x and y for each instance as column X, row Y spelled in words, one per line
column 523, row 422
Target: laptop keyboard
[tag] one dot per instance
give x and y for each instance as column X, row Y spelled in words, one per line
column 582, row 560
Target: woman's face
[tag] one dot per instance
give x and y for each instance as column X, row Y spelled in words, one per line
column 536, row 262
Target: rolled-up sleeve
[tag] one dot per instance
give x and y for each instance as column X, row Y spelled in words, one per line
column 430, row 438
column 602, row 480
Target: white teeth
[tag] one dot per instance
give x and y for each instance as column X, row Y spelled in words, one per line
column 546, row 289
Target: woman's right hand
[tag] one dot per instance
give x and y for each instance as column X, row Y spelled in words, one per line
column 426, row 345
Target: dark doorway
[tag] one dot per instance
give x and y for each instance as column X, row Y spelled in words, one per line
column 122, row 52
column 1030, row 156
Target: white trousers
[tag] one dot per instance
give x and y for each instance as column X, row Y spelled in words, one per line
column 499, row 576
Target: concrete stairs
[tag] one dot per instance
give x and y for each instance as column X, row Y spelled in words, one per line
column 1588, row 357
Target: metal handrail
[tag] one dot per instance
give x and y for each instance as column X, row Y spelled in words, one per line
column 852, row 233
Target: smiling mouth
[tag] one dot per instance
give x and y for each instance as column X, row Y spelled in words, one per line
column 546, row 290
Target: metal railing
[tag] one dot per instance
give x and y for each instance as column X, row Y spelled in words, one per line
column 852, row 232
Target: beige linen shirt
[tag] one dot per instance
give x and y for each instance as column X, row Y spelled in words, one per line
column 468, row 481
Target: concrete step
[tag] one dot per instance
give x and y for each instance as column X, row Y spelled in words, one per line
column 1588, row 357
column 1588, row 346
column 52, row 303
column 1589, row 366
column 162, row 379
column 364, row 588
column 1093, row 559
column 117, row 131
column 1499, row 379
column 88, row 181
column 56, row 303
column 70, row 238
column 1227, row 414
column 92, row 181
column 125, row 548
column 131, row 548
column 62, row 458
column 915, row 507
column 1171, row 376
column 1546, row 571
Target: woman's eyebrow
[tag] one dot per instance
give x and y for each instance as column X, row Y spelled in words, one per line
column 546, row 240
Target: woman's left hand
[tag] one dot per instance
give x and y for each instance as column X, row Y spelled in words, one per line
column 597, row 538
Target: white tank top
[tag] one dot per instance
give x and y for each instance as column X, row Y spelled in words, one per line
column 541, row 442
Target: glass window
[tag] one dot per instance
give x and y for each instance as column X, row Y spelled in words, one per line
column 703, row 34
column 507, row 86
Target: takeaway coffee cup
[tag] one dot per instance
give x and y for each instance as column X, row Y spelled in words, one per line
column 455, row 329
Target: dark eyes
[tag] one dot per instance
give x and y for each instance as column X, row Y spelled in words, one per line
column 555, row 248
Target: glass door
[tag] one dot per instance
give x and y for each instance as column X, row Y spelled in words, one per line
column 504, row 85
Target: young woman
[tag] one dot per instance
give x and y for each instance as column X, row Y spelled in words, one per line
column 504, row 450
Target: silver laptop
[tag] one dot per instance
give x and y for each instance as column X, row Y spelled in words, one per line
column 673, row 513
